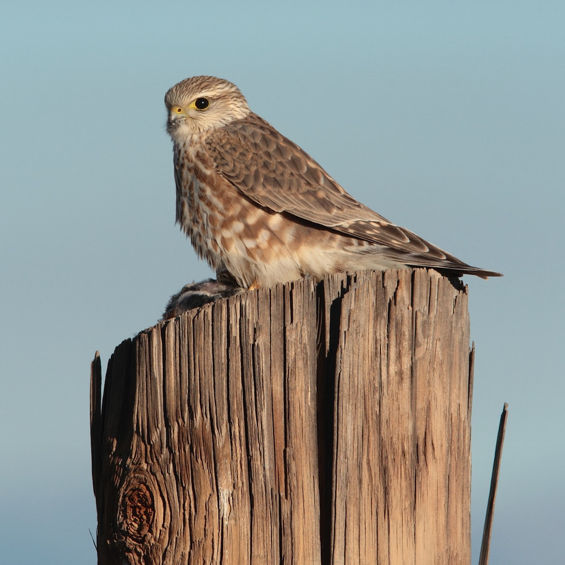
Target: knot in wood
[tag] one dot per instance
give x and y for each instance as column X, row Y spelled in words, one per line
column 138, row 511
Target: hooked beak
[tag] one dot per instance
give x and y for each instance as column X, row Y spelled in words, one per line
column 177, row 115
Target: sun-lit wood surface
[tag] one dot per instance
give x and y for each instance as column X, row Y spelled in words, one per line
column 308, row 424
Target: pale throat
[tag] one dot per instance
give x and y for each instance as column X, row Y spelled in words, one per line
column 183, row 133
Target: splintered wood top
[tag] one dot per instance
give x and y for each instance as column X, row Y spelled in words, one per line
column 308, row 424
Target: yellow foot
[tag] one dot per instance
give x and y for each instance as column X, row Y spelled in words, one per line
column 254, row 285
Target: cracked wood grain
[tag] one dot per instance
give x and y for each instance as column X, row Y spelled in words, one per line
column 309, row 424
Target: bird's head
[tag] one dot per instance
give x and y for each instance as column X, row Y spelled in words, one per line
column 202, row 103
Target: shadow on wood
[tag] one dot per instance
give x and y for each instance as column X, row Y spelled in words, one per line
column 308, row 424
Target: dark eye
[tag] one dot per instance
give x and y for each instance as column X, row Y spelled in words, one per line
column 201, row 103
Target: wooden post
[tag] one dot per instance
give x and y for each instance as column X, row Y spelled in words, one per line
column 308, row 424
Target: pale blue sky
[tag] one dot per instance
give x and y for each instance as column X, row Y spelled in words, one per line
column 447, row 118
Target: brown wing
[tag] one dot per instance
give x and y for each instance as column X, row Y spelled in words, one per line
column 277, row 174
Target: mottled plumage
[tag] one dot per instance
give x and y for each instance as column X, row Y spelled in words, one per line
column 194, row 295
column 256, row 205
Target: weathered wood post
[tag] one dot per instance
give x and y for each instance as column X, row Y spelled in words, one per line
column 308, row 424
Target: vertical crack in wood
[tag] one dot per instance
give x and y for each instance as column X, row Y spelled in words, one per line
column 470, row 379
column 414, row 289
column 246, row 417
column 334, row 433
column 328, row 325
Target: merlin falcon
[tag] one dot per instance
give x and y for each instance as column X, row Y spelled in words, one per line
column 258, row 208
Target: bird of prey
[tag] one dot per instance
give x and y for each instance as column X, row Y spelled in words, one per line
column 257, row 207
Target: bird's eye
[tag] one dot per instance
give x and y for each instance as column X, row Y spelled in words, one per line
column 201, row 103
